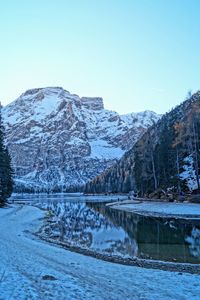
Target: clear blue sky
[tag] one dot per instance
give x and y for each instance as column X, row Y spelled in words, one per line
column 136, row 54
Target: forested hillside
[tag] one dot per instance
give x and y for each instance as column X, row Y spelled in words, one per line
column 166, row 156
column 6, row 184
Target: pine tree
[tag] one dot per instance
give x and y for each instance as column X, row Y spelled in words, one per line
column 6, row 173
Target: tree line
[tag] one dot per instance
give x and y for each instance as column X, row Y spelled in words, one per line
column 6, row 172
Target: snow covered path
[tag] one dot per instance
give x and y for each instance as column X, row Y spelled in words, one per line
column 25, row 260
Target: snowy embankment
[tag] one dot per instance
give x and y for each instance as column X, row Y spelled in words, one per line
column 180, row 210
column 25, row 261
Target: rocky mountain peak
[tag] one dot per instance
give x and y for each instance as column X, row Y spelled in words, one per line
column 33, row 93
column 93, row 103
column 58, row 140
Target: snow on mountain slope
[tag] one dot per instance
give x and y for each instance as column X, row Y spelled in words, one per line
column 58, row 140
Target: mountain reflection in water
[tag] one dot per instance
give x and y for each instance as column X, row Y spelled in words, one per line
column 112, row 232
column 83, row 226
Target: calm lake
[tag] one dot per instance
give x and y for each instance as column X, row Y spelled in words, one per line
column 86, row 222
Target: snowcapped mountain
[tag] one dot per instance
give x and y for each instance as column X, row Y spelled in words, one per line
column 58, row 140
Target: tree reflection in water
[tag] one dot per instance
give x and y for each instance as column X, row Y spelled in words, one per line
column 113, row 232
column 159, row 238
column 194, row 242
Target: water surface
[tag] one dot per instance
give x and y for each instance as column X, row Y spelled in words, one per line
column 92, row 225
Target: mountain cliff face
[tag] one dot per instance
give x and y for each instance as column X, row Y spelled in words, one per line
column 166, row 156
column 59, row 141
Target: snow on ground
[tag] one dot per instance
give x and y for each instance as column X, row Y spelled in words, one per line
column 189, row 173
column 163, row 208
column 25, row 260
column 103, row 150
column 144, row 117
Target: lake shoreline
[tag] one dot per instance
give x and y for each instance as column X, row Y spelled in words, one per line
column 137, row 262
column 145, row 261
column 27, row 263
column 166, row 209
